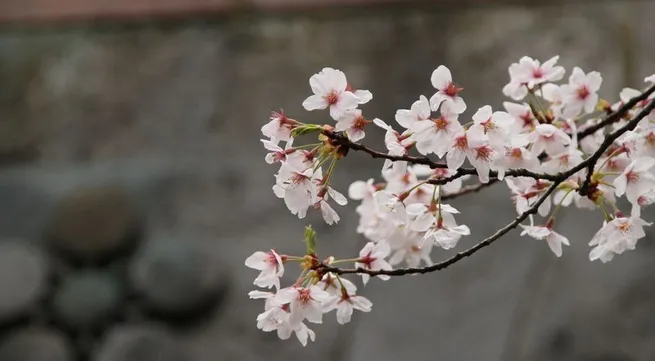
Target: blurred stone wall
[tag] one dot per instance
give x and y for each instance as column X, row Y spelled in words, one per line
column 133, row 187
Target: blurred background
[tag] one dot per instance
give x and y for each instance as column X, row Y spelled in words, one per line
column 133, row 184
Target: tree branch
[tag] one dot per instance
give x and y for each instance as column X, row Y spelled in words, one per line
column 618, row 114
column 609, row 140
column 589, row 163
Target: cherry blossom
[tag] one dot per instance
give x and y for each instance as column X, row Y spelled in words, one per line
column 435, row 135
column 636, row 179
column 545, row 233
column 420, row 110
column 411, row 249
column 353, row 123
column 438, row 223
column 555, row 146
column 279, row 127
column 447, row 91
column 516, row 156
column 581, row 94
column 548, row 138
column 271, row 266
column 372, row 257
column 532, row 72
column 397, row 144
column 345, row 303
column 496, row 125
column 474, row 145
column 298, row 187
column 334, row 287
column 329, row 87
column 617, row 236
column 277, row 154
column 305, row 303
column 524, row 120
column 517, row 87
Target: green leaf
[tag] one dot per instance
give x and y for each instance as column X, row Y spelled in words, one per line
column 310, row 240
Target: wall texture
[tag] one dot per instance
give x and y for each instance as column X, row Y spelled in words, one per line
column 170, row 115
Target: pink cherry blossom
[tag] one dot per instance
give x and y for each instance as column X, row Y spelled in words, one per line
column 305, row 303
column 279, row 127
column 333, row 286
column 329, row 87
column 532, row 72
column 617, row 236
column 447, row 91
column 517, row 86
column 637, row 179
column 420, row 110
column 496, row 125
column 352, row 122
column 329, row 214
column 516, row 155
column 545, row 233
column 438, row 223
column 548, row 138
column 581, row 94
column 397, row 144
column 345, row 303
column 271, row 266
column 435, row 135
column 372, row 257
column 277, row 154
column 475, row 146
column 524, row 120
column 298, row 187
column 527, row 191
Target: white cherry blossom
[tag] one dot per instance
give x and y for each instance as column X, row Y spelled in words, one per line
column 548, row 138
column 329, row 87
column 581, row 94
column 345, row 303
column 617, row 236
column 420, row 110
column 352, row 123
column 447, row 91
column 636, row 180
column 305, row 303
column 435, row 135
column 372, row 257
column 546, row 233
column 271, row 266
column 524, row 120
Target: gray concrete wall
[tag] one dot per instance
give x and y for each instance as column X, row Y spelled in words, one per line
column 171, row 114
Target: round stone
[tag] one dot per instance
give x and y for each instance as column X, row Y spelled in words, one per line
column 85, row 301
column 175, row 277
column 92, row 224
column 140, row 343
column 23, row 279
column 36, row 345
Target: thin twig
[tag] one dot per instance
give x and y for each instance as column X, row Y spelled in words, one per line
column 341, row 140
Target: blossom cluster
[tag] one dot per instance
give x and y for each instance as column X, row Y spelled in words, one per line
column 551, row 144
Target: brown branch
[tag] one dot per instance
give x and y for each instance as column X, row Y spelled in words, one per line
column 609, row 140
column 589, row 163
column 617, row 115
column 341, row 140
